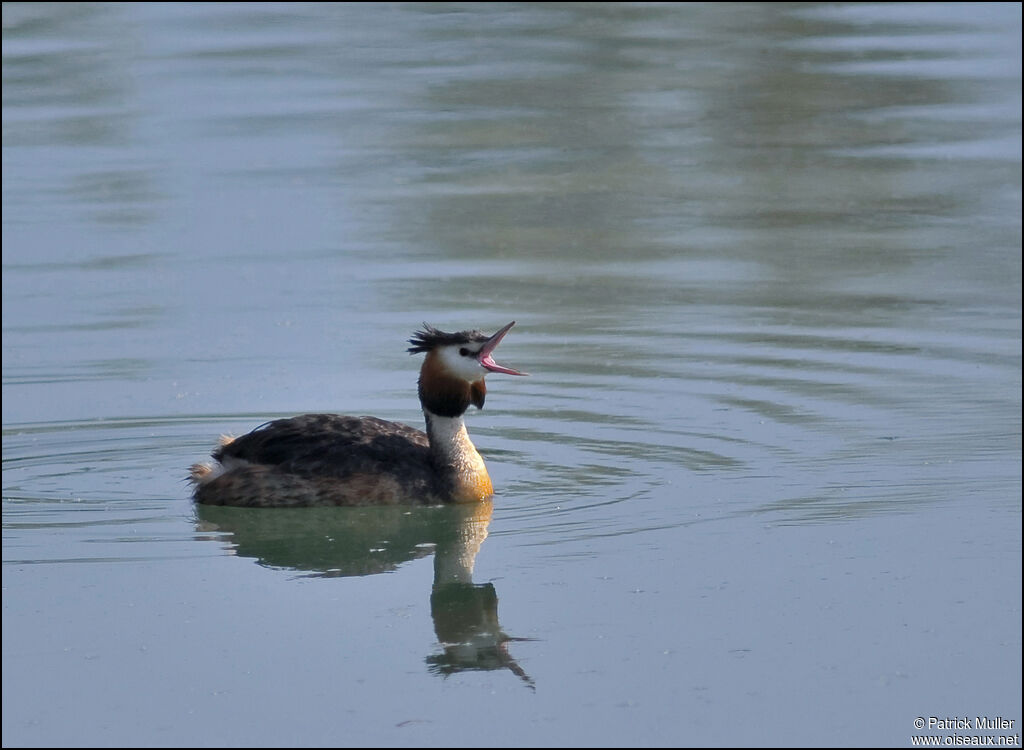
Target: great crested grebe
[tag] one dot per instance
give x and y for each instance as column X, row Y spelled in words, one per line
column 328, row 459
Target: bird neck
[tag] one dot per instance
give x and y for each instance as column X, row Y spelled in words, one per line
column 456, row 458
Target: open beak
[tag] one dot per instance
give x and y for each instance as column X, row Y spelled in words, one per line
column 484, row 357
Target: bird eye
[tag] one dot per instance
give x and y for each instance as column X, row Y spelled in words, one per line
column 465, row 352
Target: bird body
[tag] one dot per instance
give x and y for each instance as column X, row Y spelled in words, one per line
column 330, row 459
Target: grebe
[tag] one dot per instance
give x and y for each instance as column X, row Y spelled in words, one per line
column 328, row 459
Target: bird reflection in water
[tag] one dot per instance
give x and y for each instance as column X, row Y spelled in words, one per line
column 359, row 541
column 466, row 622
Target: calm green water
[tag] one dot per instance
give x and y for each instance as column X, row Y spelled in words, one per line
column 763, row 486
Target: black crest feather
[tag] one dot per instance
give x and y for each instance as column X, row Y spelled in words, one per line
column 430, row 338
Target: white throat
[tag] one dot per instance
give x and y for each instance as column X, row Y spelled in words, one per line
column 456, row 457
column 450, row 444
column 448, row 435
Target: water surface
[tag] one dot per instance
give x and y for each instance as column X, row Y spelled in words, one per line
column 762, row 487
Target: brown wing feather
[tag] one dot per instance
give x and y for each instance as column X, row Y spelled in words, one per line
column 330, row 445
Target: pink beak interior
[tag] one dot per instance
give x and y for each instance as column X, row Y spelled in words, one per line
column 484, row 357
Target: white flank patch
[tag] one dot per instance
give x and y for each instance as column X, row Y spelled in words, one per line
column 216, row 469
